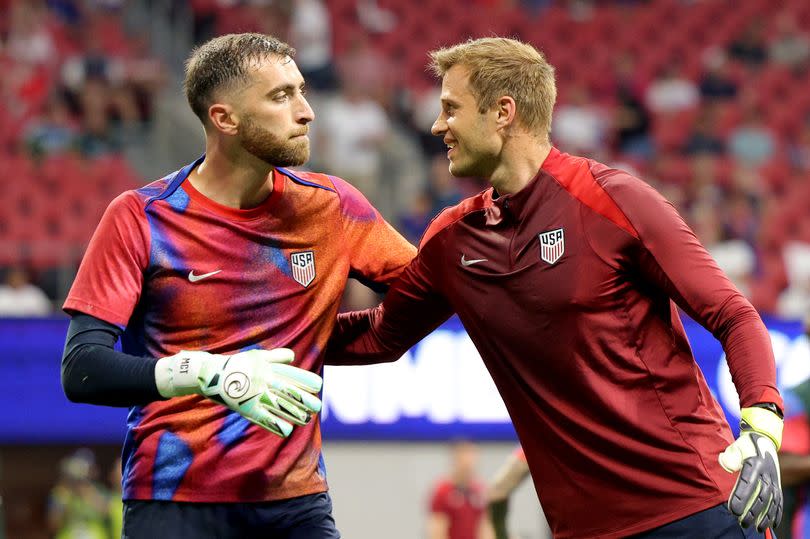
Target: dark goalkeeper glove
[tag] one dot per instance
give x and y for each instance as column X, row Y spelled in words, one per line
column 757, row 495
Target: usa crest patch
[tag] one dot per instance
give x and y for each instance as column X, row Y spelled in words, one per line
column 303, row 267
column 552, row 245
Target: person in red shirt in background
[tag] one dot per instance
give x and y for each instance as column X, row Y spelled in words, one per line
column 458, row 502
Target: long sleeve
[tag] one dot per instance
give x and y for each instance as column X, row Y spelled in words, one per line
column 672, row 259
column 412, row 309
column 94, row 372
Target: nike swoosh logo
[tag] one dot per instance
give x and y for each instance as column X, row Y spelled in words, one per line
column 465, row 262
column 194, row 278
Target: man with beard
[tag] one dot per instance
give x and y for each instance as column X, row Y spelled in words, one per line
column 232, row 256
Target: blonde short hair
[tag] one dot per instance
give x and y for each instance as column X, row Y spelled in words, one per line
column 501, row 66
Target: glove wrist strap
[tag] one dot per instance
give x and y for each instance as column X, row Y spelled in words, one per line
column 764, row 422
column 177, row 375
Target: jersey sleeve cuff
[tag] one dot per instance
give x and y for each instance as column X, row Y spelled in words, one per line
column 77, row 305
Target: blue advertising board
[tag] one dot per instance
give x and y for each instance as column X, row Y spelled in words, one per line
column 439, row 390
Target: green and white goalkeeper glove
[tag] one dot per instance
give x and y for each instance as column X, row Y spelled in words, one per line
column 260, row 385
column 757, row 495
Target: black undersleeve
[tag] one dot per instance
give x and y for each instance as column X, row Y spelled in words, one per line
column 93, row 372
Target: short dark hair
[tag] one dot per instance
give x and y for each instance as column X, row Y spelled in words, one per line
column 224, row 60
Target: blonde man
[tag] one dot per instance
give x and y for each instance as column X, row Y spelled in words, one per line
column 567, row 275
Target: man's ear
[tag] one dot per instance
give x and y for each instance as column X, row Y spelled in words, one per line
column 507, row 111
column 223, row 118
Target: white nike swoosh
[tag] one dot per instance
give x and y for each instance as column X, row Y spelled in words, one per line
column 194, row 278
column 465, row 262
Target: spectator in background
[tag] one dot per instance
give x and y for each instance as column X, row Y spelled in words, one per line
column 579, row 126
column 752, row 143
column 740, row 217
column 734, row 256
column 626, row 76
column 458, row 501
column 631, row 121
column 671, row 91
column 423, row 107
column 799, row 148
column 442, row 186
column 750, row 48
column 311, row 35
column 704, row 181
column 632, row 126
column 98, row 83
column 374, row 18
column 77, row 507
column 97, row 137
column 414, row 219
column 405, row 170
column 28, row 54
column 145, row 76
column 54, row 132
column 794, row 301
column 704, row 137
column 353, row 127
column 716, row 82
column 204, row 17
column 29, row 39
column 91, row 63
column 20, row 298
column 790, row 47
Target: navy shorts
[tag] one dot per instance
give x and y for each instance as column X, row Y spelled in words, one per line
column 713, row 523
column 306, row 517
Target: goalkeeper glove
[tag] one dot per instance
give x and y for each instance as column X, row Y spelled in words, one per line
column 757, row 495
column 260, row 385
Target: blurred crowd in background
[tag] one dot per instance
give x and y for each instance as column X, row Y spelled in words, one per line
column 706, row 100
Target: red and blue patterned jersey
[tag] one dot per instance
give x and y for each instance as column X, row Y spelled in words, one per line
column 179, row 271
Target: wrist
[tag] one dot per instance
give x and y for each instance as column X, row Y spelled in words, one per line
column 772, row 407
column 177, row 375
column 764, row 421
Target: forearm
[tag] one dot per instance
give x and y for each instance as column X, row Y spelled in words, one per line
column 749, row 354
column 412, row 308
column 94, row 373
column 795, row 469
column 355, row 342
column 668, row 255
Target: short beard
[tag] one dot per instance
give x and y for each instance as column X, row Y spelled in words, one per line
column 270, row 148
